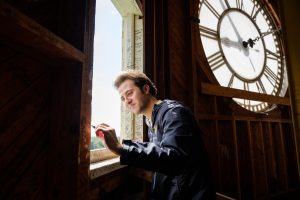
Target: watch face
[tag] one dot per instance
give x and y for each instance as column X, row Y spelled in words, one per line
column 243, row 48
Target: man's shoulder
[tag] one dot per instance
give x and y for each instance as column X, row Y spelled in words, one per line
column 173, row 111
column 175, row 105
column 172, row 106
column 172, row 103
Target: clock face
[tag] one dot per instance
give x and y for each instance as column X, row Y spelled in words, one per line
column 243, row 48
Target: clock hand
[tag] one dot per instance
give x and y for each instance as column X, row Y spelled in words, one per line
column 251, row 42
column 240, row 40
column 232, row 24
column 230, row 43
column 251, row 64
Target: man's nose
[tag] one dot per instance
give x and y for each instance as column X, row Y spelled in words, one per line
column 127, row 101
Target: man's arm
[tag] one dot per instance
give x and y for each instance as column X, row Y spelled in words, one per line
column 108, row 137
column 180, row 145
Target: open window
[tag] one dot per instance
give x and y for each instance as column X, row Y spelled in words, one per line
column 119, row 24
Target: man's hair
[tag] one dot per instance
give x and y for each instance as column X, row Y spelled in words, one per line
column 139, row 79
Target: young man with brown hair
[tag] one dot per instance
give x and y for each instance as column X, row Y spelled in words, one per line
column 175, row 152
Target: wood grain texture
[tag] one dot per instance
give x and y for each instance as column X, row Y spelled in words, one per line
column 45, row 63
column 34, row 35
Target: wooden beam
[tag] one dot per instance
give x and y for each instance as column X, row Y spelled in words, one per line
column 260, row 117
column 213, row 89
column 22, row 30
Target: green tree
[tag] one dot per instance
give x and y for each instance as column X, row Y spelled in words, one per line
column 96, row 143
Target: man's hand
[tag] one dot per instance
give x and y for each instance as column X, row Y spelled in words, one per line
column 108, row 137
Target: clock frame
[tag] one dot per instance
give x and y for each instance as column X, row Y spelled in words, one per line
column 242, row 44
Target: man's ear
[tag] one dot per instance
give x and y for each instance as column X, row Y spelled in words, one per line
column 146, row 89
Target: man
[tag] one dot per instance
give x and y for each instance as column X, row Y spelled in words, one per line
column 175, row 152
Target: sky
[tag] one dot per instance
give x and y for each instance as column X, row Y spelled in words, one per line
column 107, row 64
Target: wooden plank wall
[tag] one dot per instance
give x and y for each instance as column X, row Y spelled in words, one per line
column 24, row 119
column 42, row 63
column 42, row 107
column 38, row 140
column 252, row 155
column 289, row 11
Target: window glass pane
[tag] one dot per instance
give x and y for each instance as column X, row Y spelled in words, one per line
column 107, row 64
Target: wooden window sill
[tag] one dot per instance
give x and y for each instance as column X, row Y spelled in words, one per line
column 104, row 167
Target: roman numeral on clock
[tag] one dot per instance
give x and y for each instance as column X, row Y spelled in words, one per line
column 271, row 76
column 272, row 55
column 209, row 33
column 231, row 81
column 260, row 87
column 212, row 10
column 240, row 4
column 216, row 60
column 255, row 12
column 227, row 4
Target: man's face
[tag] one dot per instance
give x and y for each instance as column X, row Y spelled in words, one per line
column 133, row 98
